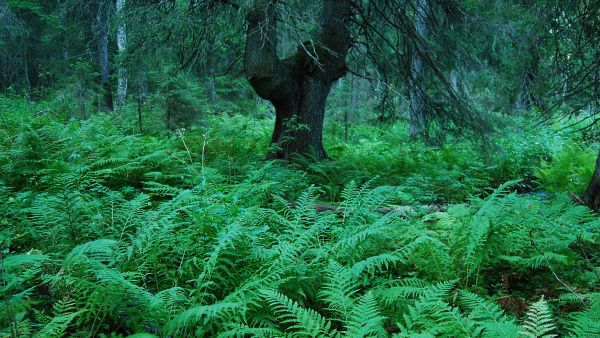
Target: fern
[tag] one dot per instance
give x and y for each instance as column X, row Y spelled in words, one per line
column 300, row 320
column 365, row 319
column 202, row 317
column 339, row 290
column 243, row 330
column 64, row 313
column 481, row 224
column 106, row 233
column 539, row 322
column 488, row 316
column 586, row 323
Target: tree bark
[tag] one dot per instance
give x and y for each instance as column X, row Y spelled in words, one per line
column 417, row 104
column 592, row 194
column 298, row 86
column 121, row 46
column 142, row 95
column 101, row 32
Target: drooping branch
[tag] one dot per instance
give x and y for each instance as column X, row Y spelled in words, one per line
column 392, row 43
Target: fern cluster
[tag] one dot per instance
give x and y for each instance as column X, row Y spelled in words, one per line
column 104, row 233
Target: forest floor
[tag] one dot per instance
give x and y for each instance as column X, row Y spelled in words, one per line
column 106, row 231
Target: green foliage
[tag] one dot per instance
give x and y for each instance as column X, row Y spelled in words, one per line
column 570, row 169
column 586, row 323
column 538, row 321
column 179, row 96
column 104, row 232
column 77, row 97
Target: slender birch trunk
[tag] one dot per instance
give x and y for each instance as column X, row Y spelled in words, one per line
column 121, row 46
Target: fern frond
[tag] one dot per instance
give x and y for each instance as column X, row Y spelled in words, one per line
column 539, row 322
column 372, row 264
column 243, row 330
column 488, row 316
column 64, row 313
column 204, row 316
column 339, row 290
column 303, row 321
column 586, row 323
column 102, row 250
column 365, row 319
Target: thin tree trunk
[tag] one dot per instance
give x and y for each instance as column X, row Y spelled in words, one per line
column 212, row 89
column 121, row 46
column 101, row 30
column 346, row 126
column 417, row 104
column 65, row 52
column 26, row 75
column 139, row 111
column 352, row 105
column 168, row 118
column 594, row 100
column 142, row 93
column 298, row 86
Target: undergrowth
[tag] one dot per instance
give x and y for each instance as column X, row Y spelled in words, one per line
column 106, row 232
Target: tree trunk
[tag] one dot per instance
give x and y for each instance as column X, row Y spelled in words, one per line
column 142, row 94
column 26, row 75
column 139, row 112
column 299, row 121
column 417, row 104
column 212, row 89
column 592, row 195
column 353, row 102
column 298, row 86
column 121, row 46
column 101, row 31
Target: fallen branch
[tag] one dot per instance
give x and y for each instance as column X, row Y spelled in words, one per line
column 401, row 209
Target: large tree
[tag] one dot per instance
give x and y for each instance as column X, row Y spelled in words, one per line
column 297, row 86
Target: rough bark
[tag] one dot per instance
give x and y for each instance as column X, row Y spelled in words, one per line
column 121, row 46
column 101, row 31
column 299, row 85
column 417, row 104
column 592, row 194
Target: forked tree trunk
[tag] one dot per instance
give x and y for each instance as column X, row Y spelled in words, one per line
column 299, row 85
column 592, row 194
